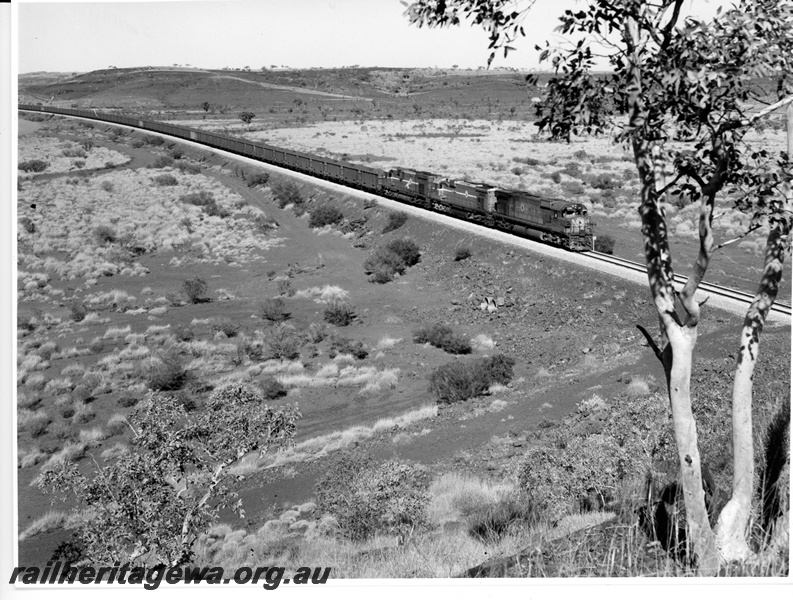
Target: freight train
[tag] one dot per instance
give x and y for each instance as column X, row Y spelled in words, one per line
column 553, row 221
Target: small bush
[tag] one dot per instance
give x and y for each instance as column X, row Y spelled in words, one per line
column 284, row 343
column 138, row 143
column 343, row 345
column 604, row 244
column 325, row 215
column 104, row 234
column 194, row 289
column 272, row 388
column 127, row 400
column 491, row 523
column 459, row 381
column 166, row 372
column 531, row 162
column 33, row 166
column 177, row 153
column 286, row 193
column 285, row 288
column 161, row 162
column 339, row 313
column 556, row 177
column 258, row 178
column 392, row 258
column 462, row 254
column 316, row 333
column 225, row 325
column 74, row 153
column 153, row 140
column 604, row 181
column 406, row 249
column 573, row 187
column 366, row 500
column 183, row 333
column 395, row 221
column 443, row 337
column 273, row 310
column 107, row 186
column 77, row 310
column 166, row 180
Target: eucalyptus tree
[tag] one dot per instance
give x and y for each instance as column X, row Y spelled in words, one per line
column 681, row 93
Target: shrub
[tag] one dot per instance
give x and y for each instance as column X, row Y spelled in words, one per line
column 316, row 333
column 153, row 140
column 166, row 371
column 604, row 181
column 273, row 309
column 107, row 186
column 224, row 325
column 166, row 180
column 33, row 166
column 392, row 258
column 77, row 310
column 194, row 289
column 339, row 313
column 138, row 143
column 258, row 178
column 206, row 201
column 459, row 381
column 182, row 332
column 443, row 337
column 395, row 221
column 286, row 193
column 324, row 215
column 491, row 523
column 272, row 388
column 462, row 254
column 556, row 177
column 366, row 500
column 74, row 153
column 531, row 162
column 162, row 162
column 284, row 343
column 104, row 234
column 573, row 187
column 177, row 153
column 343, row 345
column 285, row 288
column 406, row 249
column 604, row 244
column 127, row 400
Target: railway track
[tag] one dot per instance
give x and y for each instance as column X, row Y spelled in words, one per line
column 744, row 298
column 712, row 288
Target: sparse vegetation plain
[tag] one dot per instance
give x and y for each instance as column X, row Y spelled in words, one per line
column 103, row 320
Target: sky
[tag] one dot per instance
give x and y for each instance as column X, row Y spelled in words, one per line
column 84, row 36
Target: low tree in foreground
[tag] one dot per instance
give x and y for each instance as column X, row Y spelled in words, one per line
column 149, row 505
column 693, row 81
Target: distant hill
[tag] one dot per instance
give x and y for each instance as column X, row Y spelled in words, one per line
column 175, row 88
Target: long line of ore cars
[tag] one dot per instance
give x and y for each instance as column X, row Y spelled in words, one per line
column 557, row 222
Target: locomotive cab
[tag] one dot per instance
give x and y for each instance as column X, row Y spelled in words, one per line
column 574, row 219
